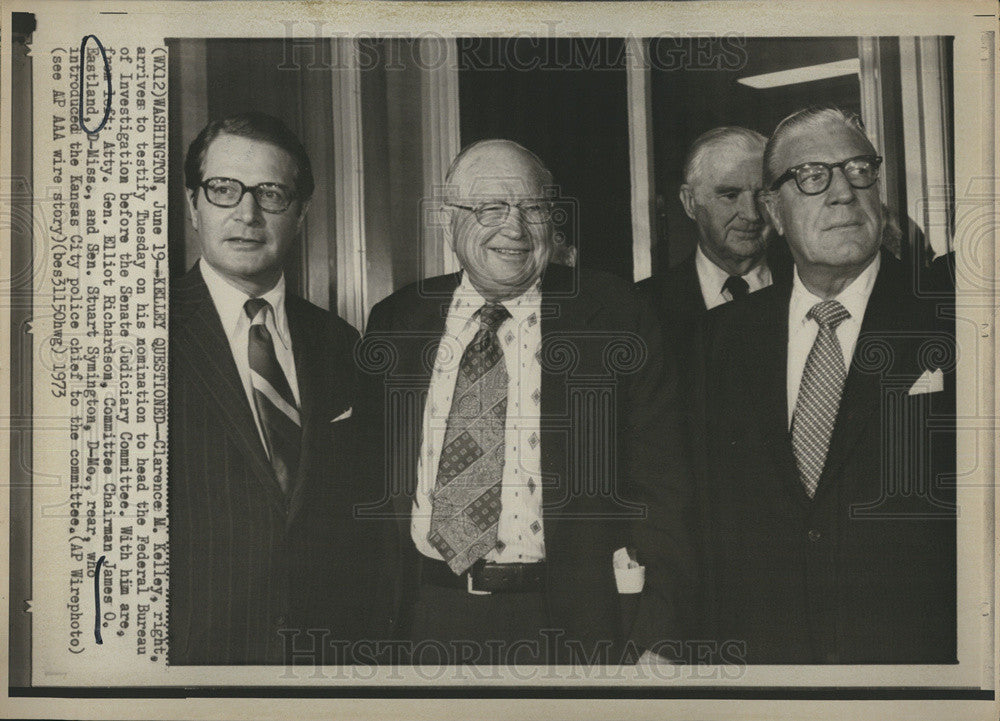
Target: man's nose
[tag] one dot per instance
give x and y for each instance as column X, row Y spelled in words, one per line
column 248, row 210
column 513, row 225
column 840, row 191
column 748, row 208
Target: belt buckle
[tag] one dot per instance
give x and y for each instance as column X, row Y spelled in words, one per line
column 473, row 591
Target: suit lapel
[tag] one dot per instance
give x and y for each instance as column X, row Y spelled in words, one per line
column 768, row 357
column 693, row 298
column 883, row 322
column 200, row 341
column 417, row 351
column 309, row 357
column 562, row 312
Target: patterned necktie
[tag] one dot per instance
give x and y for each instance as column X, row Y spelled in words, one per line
column 819, row 394
column 736, row 286
column 466, row 498
column 276, row 409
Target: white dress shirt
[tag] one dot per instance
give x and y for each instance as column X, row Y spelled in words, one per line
column 802, row 331
column 711, row 278
column 520, row 527
column 229, row 301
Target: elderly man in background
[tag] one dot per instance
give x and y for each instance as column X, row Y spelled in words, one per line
column 543, row 412
column 823, row 430
column 722, row 179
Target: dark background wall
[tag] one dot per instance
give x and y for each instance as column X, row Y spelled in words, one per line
column 564, row 99
column 241, row 75
column 695, row 86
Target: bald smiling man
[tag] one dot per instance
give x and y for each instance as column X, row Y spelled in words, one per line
column 544, row 415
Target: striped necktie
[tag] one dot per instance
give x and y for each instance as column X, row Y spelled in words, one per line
column 465, row 509
column 276, row 408
column 819, row 394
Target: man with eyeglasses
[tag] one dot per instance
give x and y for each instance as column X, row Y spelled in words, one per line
column 823, row 429
column 520, row 407
column 263, row 546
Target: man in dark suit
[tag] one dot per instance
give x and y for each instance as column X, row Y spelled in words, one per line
column 262, row 543
column 823, row 429
column 522, row 415
column 722, row 177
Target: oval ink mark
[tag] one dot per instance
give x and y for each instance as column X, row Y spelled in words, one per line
column 97, row 600
column 107, row 80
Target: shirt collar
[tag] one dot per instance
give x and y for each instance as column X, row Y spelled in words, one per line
column 713, row 277
column 229, row 301
column 759, row 276
column 467, row 300
column 854, row 297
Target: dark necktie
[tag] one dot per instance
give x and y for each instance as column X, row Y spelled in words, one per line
column 276, row 408
column 466, row 499
column 819, row 394
column 736, row 286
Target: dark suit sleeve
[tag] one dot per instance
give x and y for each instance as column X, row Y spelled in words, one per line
column 374, row 356
column 660, row 481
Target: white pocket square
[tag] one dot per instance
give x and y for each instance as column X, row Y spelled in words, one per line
column 344, row 416
column 630, row 577
column 929, row 382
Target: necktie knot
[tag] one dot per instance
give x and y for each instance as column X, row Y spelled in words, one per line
column 829, row 314
column 737, row 286
column 253, row 306
column 492, row 316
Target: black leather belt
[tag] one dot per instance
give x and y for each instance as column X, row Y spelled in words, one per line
column 485, row 577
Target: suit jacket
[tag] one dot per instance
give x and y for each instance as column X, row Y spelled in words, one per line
column 680, row 305
column 610, row 440
column 865, row 571
column 245, row 559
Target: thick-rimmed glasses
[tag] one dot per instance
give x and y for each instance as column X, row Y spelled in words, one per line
column 814, row 178
column 495, row 213
column 228, row 192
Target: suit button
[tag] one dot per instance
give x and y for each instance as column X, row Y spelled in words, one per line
column 280, row 621
column 814, row 535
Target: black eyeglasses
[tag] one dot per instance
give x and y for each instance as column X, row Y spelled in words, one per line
column 228, row 192
column 814, row 178
column 495, row 213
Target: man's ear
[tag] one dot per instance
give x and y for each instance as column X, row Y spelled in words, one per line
column 687, row 200
column 302, row 214
column 192, row 196
column 771, row 205
column 449, row 215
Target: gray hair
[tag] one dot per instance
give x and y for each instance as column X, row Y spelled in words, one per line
column 812, row 117
column 727, row 135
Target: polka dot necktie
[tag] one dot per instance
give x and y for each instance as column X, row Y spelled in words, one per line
column 819, row 394
column 273, row 398
column 466, row 499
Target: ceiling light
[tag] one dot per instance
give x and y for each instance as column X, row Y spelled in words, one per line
column 806, row 74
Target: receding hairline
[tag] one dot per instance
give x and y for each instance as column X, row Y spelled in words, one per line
column 805, row 120
column 469, row 154
column 717, row 138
